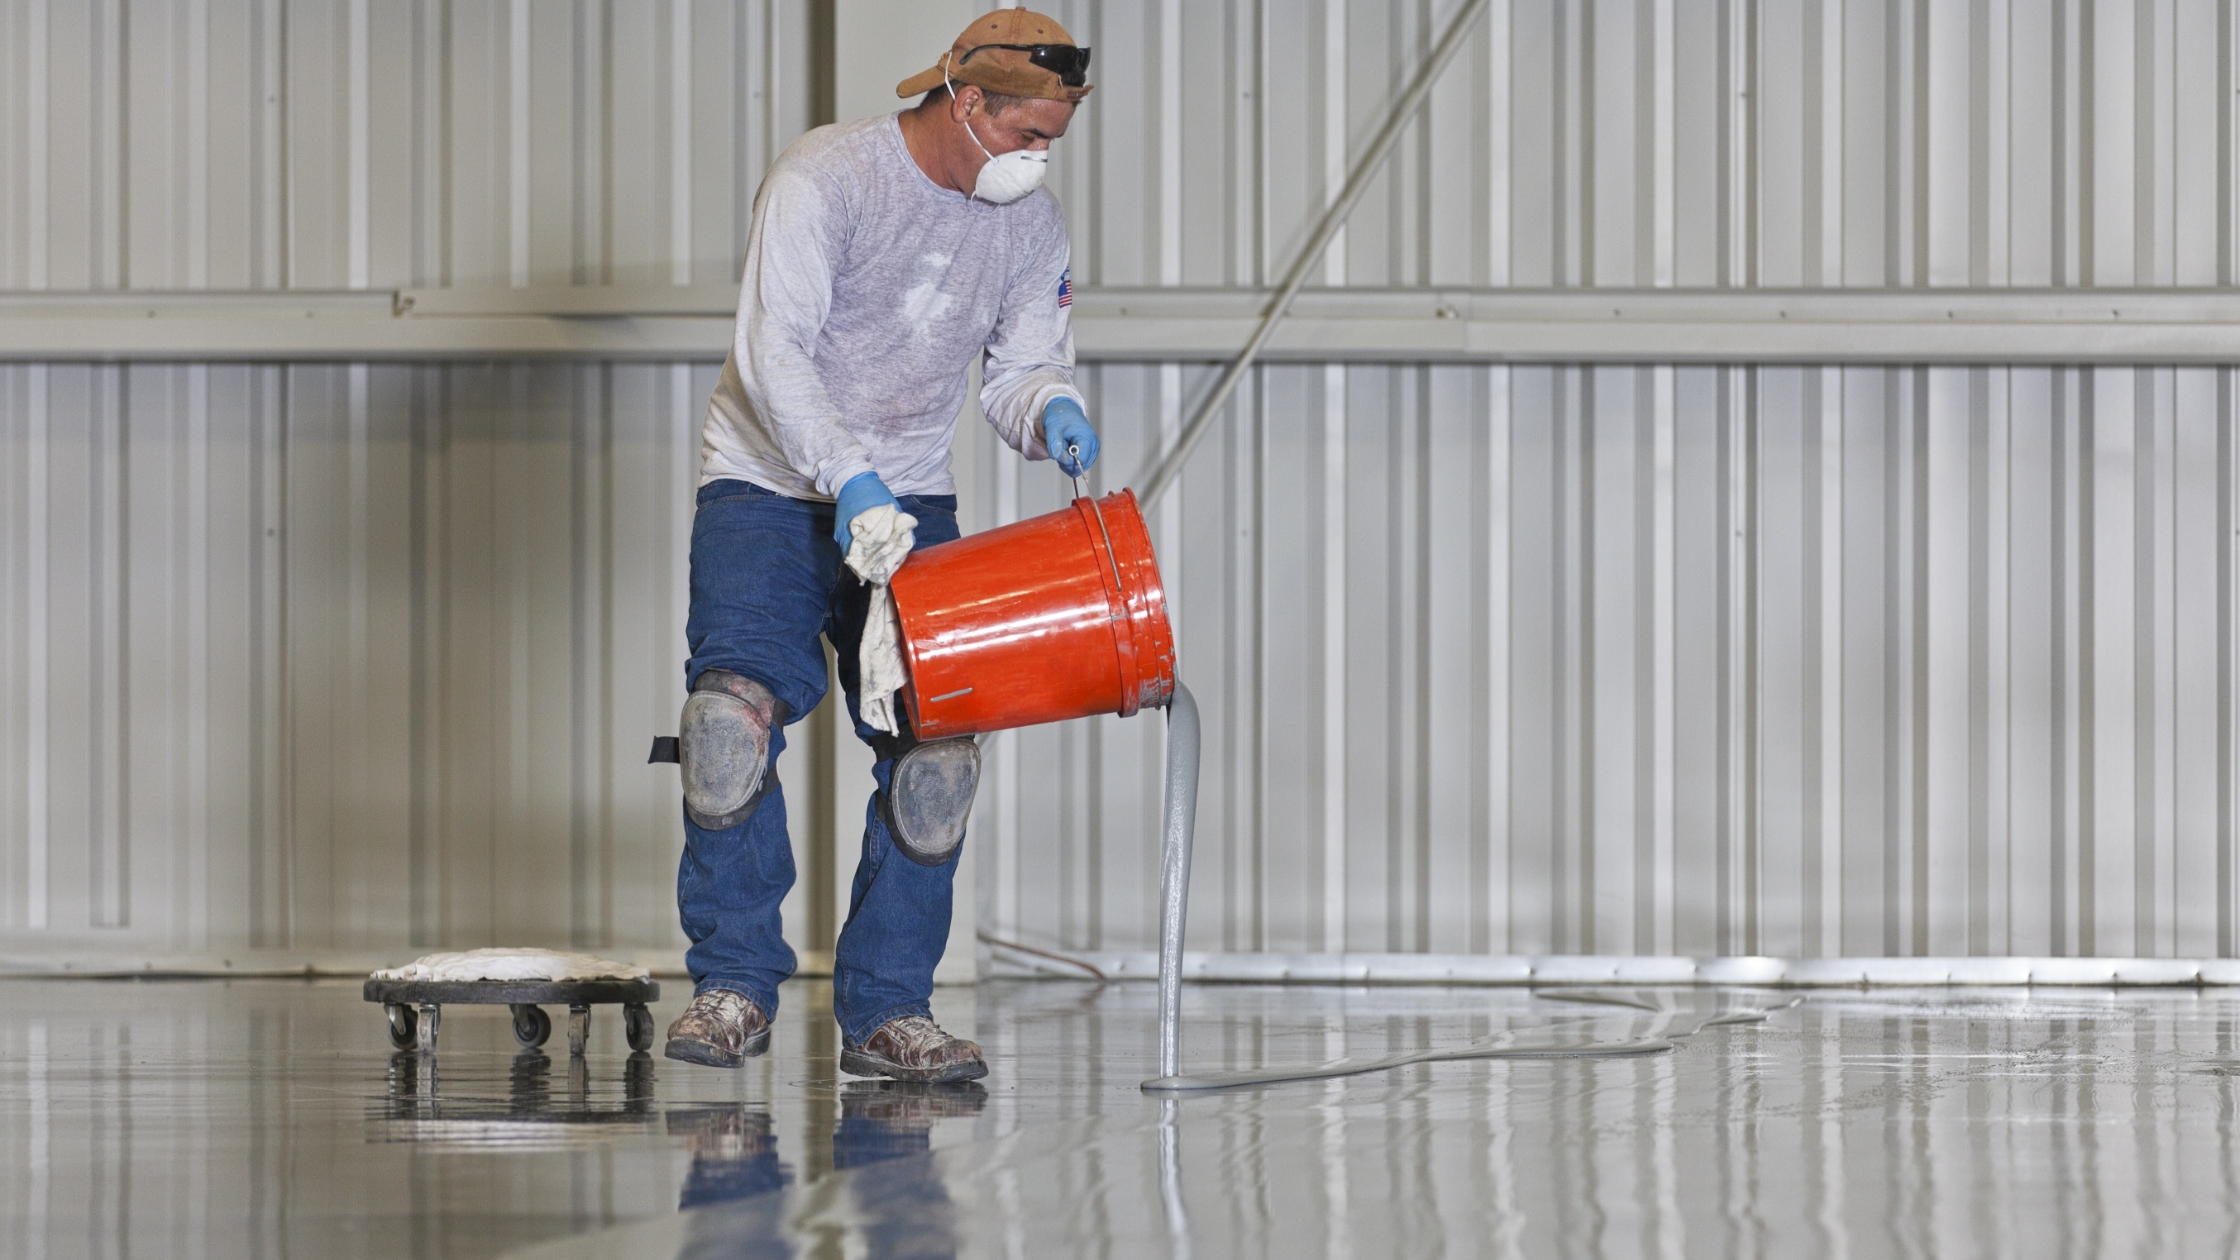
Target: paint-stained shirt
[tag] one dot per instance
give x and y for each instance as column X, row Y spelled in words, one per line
column 868, row 291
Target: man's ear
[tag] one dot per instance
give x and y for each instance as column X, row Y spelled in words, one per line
column 960, row 106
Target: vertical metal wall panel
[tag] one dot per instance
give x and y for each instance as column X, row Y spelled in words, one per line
column 1798, row 661
column 1867, row 143
column 344, row 657
column 1637, row 660
column 1840, row 143
column 349, row 657
column 1793, row 661
column 330, row 144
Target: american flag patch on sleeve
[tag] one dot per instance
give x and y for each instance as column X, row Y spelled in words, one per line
column 1065, row 287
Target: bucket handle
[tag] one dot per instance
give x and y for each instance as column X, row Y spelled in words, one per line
column 1117, row 619
column 1112, row 557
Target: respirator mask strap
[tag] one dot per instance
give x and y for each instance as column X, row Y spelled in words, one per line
column 953, row 95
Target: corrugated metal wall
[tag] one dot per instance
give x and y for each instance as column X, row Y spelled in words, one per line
column 1801, row 662
column 328, row 144
column 341, row 657
column 1786, row 661
column 325, row 658
column 1794, row 661
column 1704, row 143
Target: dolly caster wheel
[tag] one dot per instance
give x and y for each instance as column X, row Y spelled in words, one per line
column 579, row 1030
column 531, row 1026
column 637, row 1026
column 401, row 1032
column 430, row 1022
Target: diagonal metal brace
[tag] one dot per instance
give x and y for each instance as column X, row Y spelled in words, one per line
column 1332, row 219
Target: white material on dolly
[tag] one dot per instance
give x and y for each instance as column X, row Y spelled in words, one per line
column 514, row 964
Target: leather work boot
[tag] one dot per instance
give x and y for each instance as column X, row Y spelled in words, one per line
column 913, row 1048
column 720, row 1028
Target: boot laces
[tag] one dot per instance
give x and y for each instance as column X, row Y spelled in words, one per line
column 722, row 1004
column 918, row 1034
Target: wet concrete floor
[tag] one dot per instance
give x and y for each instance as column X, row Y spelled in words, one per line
column 271, row 1119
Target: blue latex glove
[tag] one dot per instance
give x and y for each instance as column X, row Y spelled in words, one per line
column 1065, row 424
column 863, row 492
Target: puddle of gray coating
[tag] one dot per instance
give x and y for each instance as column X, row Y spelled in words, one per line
column 1906, row 1124
column 1672, row 1018
column 205, row 1120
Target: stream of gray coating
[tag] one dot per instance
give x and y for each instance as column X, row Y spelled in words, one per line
column 1560, row 1038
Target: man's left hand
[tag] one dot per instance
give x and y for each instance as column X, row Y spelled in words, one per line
column 1066, row 426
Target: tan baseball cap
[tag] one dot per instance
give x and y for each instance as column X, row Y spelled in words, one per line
column 1011, row 52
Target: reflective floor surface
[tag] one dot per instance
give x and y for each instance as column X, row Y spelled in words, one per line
column 271, row 1119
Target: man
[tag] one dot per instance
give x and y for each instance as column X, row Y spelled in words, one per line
column 884, row 256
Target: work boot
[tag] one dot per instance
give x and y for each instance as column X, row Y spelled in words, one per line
column 720, row 1029
column 913, row 1048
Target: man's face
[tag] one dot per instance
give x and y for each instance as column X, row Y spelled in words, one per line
column 1031, row 124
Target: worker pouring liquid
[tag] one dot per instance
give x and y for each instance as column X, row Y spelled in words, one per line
column 885, row 255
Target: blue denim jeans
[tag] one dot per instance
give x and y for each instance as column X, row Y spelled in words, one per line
column 766, row 582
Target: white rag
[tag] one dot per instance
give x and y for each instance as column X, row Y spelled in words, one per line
column 882, row 540
column 514, row 964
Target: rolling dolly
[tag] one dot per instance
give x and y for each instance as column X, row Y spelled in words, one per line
column 414, row 997
column 415, row 1007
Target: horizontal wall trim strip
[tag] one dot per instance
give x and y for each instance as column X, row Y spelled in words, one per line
column 1592, row 969
column 1905, row 326
column 1410, row 325
column 1461, row 969
column 95, row 961
column 98, row 961
column 331, row 326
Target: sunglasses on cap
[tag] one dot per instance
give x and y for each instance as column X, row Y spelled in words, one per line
column 1068, row 61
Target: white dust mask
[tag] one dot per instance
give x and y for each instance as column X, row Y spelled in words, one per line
column 1007, row 177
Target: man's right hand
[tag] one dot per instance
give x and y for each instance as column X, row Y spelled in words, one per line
column 863, row 492
column 1065, row 430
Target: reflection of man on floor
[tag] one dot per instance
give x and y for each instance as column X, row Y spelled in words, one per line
column 881, row 1120
column 905, row 1208
column 735, row 1155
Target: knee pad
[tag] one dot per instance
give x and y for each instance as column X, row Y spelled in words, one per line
column 931, row 796
column 723, row 747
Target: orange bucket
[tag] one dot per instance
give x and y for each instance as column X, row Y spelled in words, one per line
column 1057, row 617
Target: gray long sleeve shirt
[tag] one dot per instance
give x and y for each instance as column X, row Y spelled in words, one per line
column 868, row 290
